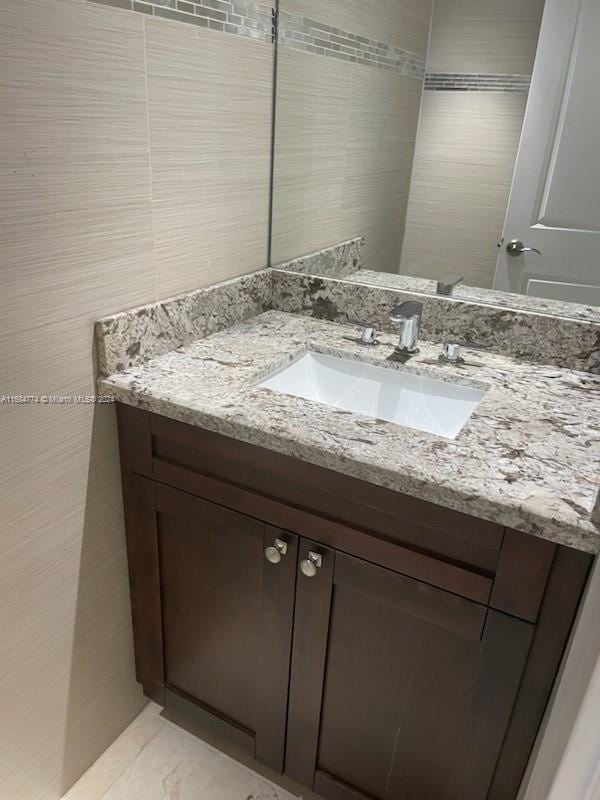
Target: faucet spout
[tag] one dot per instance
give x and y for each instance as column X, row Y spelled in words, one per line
column 406, row 317
column 446, row 286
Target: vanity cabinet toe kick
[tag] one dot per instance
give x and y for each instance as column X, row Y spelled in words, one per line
column 366, row 644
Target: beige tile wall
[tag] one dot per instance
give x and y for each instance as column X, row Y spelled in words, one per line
column 313, row 101
column 345, row 136
column 134, row 162
column 493, row 36
column 463, row 166
column 210, row 106
column 467, row 141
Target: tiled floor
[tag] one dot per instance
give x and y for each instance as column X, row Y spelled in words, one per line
column 156, row 760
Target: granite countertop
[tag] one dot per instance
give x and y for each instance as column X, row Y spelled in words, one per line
column 528, row 458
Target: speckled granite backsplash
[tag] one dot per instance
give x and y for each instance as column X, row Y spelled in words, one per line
column 538, row 338
column 333, row 262
column 130, row 338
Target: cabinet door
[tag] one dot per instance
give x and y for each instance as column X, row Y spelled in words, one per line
column 227, row 616
column 398, row 690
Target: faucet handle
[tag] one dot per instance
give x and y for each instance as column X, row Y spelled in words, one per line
column 451, row 354
column 368, row 336
column 447, row 285
column 451, row 351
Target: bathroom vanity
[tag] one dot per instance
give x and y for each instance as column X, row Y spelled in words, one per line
column 347, row 635
column 374, row 610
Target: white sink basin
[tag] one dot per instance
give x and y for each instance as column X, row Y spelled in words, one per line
column 394, row 395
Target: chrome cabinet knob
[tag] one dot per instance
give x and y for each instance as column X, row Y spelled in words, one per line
column 274, row 553
column 517, row 248
column 310, row 565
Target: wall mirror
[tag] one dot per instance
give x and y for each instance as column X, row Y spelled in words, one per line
column 447, row 133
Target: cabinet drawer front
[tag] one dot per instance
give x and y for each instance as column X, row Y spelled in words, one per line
column 433, row 529
column 474, row 558
column 331, row 533
column 411, row 597
column 397, row 689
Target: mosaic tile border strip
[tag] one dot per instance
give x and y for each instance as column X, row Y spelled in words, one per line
column 239, row 17
column 302, row 33
column 475, row 82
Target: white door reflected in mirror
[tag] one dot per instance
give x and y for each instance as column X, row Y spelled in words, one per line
column 554, row 204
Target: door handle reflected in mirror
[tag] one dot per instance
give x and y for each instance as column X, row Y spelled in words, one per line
column 517, row 248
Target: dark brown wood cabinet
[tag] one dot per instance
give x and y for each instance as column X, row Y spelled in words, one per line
column 376, row 655
column 227, row 616
column 401, row 689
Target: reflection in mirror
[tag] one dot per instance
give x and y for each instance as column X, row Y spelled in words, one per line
column 404, row 122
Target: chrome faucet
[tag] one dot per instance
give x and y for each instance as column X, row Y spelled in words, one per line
column 446, row 286
column 406, row 317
